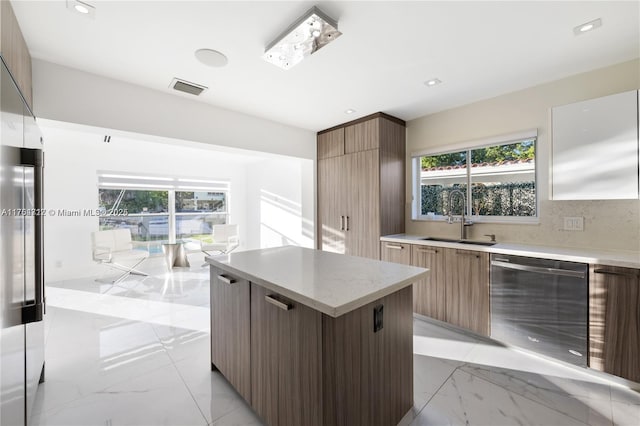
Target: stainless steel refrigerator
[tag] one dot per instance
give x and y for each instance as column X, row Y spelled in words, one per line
column 21, row 257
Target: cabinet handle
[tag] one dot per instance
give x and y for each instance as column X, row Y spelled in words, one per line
column 423, row 250
column 394, row 246
column 279, row 304
column 342, row 223
column 622, row 274
column 466, row 253
column 226, row 279
column 347, row 223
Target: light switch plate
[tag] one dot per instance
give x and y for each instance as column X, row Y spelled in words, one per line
column 574, row 223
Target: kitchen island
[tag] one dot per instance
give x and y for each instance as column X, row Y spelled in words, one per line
column 314, row 338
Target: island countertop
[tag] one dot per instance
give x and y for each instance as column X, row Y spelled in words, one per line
column 331, row 283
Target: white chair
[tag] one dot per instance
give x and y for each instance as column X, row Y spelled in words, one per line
column 225, row 240
column 114, row 248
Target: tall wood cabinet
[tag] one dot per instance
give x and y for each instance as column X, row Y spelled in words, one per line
column 361, row 175
column 14, row 51
column 614, row 321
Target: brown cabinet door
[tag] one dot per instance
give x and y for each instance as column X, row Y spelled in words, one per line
column 330, row 144
column 362, row 136
column 429, row 292
column 230, row 329
column 363, row 204
column 300, row 364
column 614, row 321
column 286, row 348
column 332, row 192
column 467, row 289
column 14, row 51
column 395, row 252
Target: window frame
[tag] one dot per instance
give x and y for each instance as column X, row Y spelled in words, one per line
column 416, row 205
column 170, row 184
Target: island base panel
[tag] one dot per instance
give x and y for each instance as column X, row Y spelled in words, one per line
column 368, row 376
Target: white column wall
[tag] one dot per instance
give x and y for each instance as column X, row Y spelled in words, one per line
column 280, row 204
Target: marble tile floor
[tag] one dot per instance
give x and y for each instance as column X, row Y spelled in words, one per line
column 138, row 354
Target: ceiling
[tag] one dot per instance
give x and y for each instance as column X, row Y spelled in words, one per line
column 387, row 51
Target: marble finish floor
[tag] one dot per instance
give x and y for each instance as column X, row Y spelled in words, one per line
column 138, row 354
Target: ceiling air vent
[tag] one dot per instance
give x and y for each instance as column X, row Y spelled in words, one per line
column 187, row 87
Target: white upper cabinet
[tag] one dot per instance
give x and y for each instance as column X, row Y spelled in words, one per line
column 595, row 149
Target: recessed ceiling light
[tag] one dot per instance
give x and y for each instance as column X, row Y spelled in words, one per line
column 587, row 26
column 350, row 111
column 211, row 58
column 432, row 82
column 311, row 32
column 84, row 9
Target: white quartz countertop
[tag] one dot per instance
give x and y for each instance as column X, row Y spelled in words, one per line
column 626, row 259
column 331, row 283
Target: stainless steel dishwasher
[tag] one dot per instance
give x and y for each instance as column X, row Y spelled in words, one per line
column 541, row 305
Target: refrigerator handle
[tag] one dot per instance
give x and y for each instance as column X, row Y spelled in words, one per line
column 33, row 310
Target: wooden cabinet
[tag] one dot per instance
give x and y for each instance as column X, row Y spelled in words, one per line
column 467, row 289
column 361, row 179
column 14, row 51
column 429, row 293
column 363, row 204
column 614, row 321
column 456, row 290
column 230, row 330
column 286, row 360
column 595, row 149
column 395, row 252
column 298, row 366
column 331, row 143
column 362, row 136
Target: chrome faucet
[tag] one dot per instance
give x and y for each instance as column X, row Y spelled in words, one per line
column 463, row 222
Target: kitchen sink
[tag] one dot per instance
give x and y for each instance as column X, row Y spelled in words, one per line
column 454, row 240
column 478, row 243
column 444, row 240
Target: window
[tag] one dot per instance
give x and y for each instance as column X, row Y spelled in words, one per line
column 197, row 212
column 497, row 179
column 145, row 213
column 162, row 208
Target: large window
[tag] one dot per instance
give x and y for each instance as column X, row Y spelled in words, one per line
column 162, row 208
column 498, row 181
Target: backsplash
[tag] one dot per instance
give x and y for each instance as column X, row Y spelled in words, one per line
column 607, row 225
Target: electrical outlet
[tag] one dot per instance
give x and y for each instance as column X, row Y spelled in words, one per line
column 574, row 223
column 377, row 318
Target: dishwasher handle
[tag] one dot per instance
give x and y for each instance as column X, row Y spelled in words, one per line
column 538, row 269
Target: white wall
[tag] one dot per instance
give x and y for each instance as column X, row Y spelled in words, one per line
column 69, row 95
column 607, row 224
column 280, row 205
